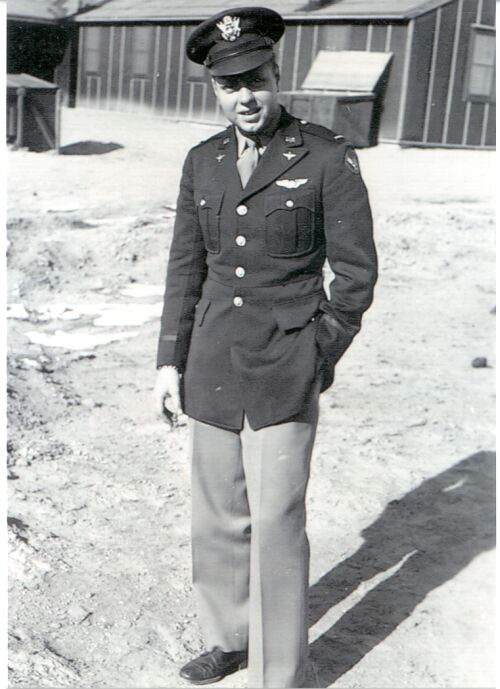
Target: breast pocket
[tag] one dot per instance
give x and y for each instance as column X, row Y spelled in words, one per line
column 290, row 223
column 208, row 207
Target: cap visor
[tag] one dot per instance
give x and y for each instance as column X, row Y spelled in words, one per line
column 238, row 64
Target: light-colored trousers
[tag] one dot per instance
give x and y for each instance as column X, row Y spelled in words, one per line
column 250, row 548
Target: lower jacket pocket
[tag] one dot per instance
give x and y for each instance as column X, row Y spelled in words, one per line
column 293, row 315
column 201, row 311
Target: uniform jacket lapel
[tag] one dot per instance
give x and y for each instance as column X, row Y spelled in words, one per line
column 224, row 162
column 283, row 152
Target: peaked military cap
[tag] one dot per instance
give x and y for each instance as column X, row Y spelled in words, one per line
column 235, row 40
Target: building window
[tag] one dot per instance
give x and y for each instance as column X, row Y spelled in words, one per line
column 335, row 37
column 93, row 49
column 141, row 49
column 480, row 81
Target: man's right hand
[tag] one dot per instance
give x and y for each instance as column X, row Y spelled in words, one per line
column 166, row 394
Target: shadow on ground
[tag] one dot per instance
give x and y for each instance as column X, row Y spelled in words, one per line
column 446, row 522
column 88, row 148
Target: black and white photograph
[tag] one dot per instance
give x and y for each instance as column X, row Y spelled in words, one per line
column 250, row 350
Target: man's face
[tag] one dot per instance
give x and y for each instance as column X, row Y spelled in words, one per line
column 249, row 100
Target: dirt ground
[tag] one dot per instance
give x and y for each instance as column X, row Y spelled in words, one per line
column 401, row 498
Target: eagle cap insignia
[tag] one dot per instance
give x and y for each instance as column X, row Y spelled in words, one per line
column 229, row 28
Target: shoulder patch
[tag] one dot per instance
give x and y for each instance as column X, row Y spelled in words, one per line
column 351, row 160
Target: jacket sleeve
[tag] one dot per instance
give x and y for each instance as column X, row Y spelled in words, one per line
column 350, row 252
column 186, row 272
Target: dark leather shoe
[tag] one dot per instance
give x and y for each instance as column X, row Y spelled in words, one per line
column 212, row 666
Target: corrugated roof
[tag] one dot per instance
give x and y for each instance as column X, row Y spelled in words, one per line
column 382, row 9
column 47, row 11
column 161, row 10
column 28, row 81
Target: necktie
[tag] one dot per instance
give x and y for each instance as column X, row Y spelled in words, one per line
column 247, row 162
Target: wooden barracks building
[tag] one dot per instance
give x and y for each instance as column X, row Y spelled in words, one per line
column 422, row 70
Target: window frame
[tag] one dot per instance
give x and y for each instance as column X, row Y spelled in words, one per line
column 145, row 53
column 92, row 47
column 476, row 30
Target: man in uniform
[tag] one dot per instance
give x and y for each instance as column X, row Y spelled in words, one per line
column 249, row 339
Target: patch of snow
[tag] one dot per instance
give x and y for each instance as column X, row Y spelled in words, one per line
column 129, row 314
column 76, row 340
column 67, row 312
column 31, row 363
column 17, row 311
column 143, row 291
column 60, row 207
column 108, row 314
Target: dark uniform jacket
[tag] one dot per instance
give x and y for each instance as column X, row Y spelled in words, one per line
column 246, row 318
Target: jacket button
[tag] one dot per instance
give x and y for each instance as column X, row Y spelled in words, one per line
column 238, row 301
column 242, row 210
column 240, row 272
column 202, row 202
column 241, row 240
column 289, row 203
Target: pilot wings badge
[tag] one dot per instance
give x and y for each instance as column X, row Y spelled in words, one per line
column 291, row 183
column 229, row 28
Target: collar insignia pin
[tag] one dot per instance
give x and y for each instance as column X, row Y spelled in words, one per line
column 219, row 157
column 290, row 139
column 289, row 155
column 226, row 141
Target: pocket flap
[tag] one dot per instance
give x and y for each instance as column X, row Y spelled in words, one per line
column 209, row 199
column 289, row 199
column 293, row 315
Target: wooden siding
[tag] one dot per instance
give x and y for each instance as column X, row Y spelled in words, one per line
column 490, row 130
column 436, row 97
column 487, row 14
column 418, row 78
column 455, row 124
column 377, row 39
column 390, row 115
column 168, row 89
column 448, row 118
column 424, row 95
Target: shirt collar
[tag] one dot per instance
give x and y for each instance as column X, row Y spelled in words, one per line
column 264, row 137
column 242, row 141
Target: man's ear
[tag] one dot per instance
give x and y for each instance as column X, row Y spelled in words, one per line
column 277, row 73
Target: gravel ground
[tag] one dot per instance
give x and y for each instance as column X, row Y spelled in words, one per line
column 401, row 498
